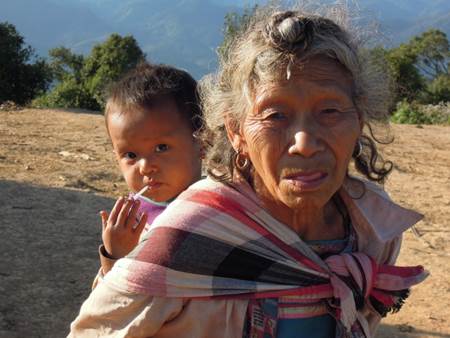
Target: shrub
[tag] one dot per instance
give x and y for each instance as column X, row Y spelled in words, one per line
column 413, row 113
column 438, row 90
column 409, row 114
column 438, row 114
column 67, row 94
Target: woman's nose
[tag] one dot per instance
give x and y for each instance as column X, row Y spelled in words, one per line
column 147, row 166
column 306, row 142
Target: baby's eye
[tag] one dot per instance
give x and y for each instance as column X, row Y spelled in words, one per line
column 160, row 148
column 130, row 155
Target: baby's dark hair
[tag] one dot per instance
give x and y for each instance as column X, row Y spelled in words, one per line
column 149, row 85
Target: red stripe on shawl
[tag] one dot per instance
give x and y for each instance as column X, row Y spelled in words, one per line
column 232, row 208
column 383, row 297
column 319, row 291
column 402, row 271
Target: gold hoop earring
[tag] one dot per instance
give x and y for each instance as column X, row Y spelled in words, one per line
column 357, row 152
column 241, row 161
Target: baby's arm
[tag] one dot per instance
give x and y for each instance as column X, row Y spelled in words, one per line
column 109, row 312
column 120, row 231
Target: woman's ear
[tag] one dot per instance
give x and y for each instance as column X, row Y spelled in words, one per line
column 234, row 134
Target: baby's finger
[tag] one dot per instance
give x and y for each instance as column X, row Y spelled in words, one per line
column 131, row 221
column 115, row 210
column 123, row 214
column 140, row 225
column 104, row 216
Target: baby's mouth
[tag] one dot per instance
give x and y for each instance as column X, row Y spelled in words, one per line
column 152, row 185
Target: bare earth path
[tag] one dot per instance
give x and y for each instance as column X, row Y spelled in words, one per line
column 57, row 171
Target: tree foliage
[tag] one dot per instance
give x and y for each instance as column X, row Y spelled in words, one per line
column 22, row 74
column 419, row 67
column 401, row 64
column 108, row 61
column 432, row 53
column 64, row 63
column 83, row 80
column 438, row 90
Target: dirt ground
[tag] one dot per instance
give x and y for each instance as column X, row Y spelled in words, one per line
column 57, row 171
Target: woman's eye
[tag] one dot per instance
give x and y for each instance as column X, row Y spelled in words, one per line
column 130, row 155
column 160, row 148
column 330, row 111
column 276, row 116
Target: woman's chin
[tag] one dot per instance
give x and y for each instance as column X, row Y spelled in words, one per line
column 296, row 195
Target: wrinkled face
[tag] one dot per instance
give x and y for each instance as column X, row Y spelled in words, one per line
column 300, row 135
column 155, row 148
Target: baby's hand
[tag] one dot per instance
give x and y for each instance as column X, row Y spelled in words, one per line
column 122, row 229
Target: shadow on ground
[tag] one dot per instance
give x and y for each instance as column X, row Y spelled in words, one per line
column 407, row 331
column 48, row 249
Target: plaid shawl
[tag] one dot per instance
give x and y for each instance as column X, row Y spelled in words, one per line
column 216, row 241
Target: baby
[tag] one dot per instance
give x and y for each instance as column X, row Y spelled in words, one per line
column 151, row 117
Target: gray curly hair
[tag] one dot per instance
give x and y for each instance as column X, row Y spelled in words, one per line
column 266, row 50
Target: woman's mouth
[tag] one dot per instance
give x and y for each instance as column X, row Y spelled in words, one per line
column 306, row 180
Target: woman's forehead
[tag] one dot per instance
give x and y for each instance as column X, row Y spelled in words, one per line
column 321, row 68
column 324, row 74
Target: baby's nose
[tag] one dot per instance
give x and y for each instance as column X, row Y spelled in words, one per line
column 147, row 166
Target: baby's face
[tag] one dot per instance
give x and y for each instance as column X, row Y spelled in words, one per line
column 155, row 148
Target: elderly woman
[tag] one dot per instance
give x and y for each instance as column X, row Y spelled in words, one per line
column 280, row 240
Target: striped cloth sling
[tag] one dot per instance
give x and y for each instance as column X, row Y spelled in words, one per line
column 217, row 242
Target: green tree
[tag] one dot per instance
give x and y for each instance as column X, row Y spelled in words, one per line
column 401, row 64
column 64, row 63
column 432, row 52
column 108, row 61
column 82, row 80
column 22, row 74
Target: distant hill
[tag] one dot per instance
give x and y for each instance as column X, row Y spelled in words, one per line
column 185, row 33
column 402, row 19
column 46, row 24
